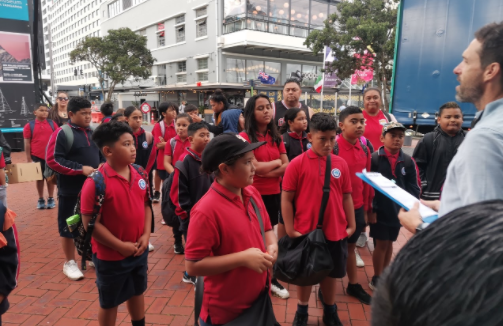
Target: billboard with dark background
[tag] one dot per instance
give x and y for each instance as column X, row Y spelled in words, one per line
column 19, row 89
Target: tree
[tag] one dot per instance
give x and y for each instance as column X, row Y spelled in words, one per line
column 359, row 28
column 118, row 56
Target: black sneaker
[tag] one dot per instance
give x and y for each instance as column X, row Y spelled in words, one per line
column 300, row 319
column 179, row 248
column 188, row 279
column 157, row 197
column 373, row 283
column 332, row 319
column 356, row 290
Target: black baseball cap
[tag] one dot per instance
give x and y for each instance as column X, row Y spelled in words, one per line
column 223, row 147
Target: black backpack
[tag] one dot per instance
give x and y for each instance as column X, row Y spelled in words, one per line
column 364, row 147
column 167, row 206
column 81, row 237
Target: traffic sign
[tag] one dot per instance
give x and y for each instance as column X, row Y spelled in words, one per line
column 145, row 107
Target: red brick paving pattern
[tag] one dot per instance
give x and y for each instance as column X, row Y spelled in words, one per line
column 46, row 297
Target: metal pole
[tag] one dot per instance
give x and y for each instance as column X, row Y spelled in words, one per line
column 349, row 98
column 335, row 106
column 53, row 83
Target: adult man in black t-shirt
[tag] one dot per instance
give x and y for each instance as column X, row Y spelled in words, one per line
column 291, row 96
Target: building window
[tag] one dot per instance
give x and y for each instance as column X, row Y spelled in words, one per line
column 201, row 12
column 180, row 19
column 235, row 70
column 202, row 63
column 201, row 29
column 202, row 76
column 181, row 66
column 181, row 78
column 253, row 68
column 142, row 32
column 126, row 4
column 161, row 41
column 113, row 9
column 180, row 33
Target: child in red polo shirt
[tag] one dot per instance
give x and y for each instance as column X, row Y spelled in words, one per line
column 225, row 243
column 302, row 187
column 270, row 161
column 122, row 230
column 36, row 134
column 176, row 148
column 357, row 156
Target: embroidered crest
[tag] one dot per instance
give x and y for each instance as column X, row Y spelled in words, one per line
column 309, row 145
column 403, row 170
column 145, row 144
column 336, row 173
column 142, row 184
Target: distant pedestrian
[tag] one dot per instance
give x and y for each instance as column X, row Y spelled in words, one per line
column 59, row 112
column 291, row 99
column 182, row 106
column 107, row 109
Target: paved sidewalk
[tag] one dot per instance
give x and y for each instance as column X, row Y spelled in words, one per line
column 46, row 297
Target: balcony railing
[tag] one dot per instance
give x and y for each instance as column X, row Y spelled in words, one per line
column 267, row 24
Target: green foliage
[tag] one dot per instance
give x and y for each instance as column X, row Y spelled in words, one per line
column 120, row 55
column 359, row 24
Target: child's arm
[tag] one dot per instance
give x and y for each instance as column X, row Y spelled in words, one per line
column 142, row 243
column 287, row 198
column 279, row 171
column 349, row 209
column 27, row 150
column 180, row 195
column 271, row 243
column 262, row 168
column 413, row 183
column 167, row 164
column 56, row 157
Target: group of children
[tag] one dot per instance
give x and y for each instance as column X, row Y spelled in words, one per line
column 215, row 202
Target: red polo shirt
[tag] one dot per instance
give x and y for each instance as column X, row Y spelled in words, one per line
column 40, row 138
column 392, row 158
column 123, row 209
column 169, row 133
column 357, row 161
column 2, row 161
column 373, row 128
column 267, row 153
column 305, row 176
column 180, row 147
column 221, row 225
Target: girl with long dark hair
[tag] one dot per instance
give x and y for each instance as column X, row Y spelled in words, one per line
column 59, row 113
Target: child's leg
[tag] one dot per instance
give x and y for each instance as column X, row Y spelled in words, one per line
column 40, row 188
column 389, row 253
column 328, row 288
column 281, row 230
column 50, row 188
column 136, row 309
column 107, row 317
column 157, row 181
column 351, row 267
column 379, row 256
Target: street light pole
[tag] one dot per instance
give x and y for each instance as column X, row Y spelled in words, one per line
column 53, row 83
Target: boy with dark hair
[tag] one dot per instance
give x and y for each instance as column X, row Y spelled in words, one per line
column 73, row 155
column 122, row 230
column 192, row 110
column 107, row 109
column 399, row 167
column 435, row 151
column 36, row 134
column 357, row 155
column 303, row 181
column 189, row 184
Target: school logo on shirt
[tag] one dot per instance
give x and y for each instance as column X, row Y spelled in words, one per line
column 336, row 173
column 145, row 144
column 403, row 170
column 382, row 122
column 142, row 184
column 309, row 145
column 281, row 121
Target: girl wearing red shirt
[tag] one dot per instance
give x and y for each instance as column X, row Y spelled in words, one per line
column 270, row 161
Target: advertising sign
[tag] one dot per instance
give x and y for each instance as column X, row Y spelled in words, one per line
column 15, row 58
column 14, row 9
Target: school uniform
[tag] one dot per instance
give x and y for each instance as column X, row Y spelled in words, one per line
column 402, row 169
column 305, row 176
column 295, row 144
column 169, row 132
column 269, row 188
column 118, row 278
column 189, row 187
column 373, row 127
column 68, row 162
column 362, row 193
column 3, row 188
column 9, row 258
column 106, row 119
column 222, row 224
column 178, row 149
column 42, row 131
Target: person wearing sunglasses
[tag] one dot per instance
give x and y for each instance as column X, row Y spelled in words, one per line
column 59, row 113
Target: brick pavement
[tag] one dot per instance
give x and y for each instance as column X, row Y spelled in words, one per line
column 46, row 297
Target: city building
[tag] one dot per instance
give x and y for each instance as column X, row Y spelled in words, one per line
column 201, row 45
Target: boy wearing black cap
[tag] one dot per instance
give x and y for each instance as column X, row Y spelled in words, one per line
column 399, row 167
column 226, row 244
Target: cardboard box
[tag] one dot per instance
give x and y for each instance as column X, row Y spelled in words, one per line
column 24, row 172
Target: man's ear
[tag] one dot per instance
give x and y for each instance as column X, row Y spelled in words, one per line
column 107, row 151
column 309, row 137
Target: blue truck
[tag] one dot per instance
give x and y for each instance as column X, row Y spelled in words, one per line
column 431, row 37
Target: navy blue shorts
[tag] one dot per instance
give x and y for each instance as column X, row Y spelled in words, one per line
column 383, row 232
column 163, row 174
column 66, row 208
column 42, row 163
column 360, row 225
column 118, row 281
column 339, row 252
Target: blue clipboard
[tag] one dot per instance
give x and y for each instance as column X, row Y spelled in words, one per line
column 428, row 219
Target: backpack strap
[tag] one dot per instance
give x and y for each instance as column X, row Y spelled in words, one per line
column 336, row 148
column 141, row 171
column 326, row 191
column 99, row 195
column 163, row 127
column 386, row 114
column 69, row 135
column 364, row 147
column 286, row 141
column 172, row 143
column 374, row 162
column 32, row 127
column 51, row 123
column 149, row 137
column 181, row 167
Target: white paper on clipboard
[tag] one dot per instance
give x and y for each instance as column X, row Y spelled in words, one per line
column 397, row 194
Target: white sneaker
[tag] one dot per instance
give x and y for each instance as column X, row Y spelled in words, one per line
column 359, row 260
column 362, row 240
column 278, row 290
column 162, row 222
column 150, row 247
column 91, row 264
column 72, row 271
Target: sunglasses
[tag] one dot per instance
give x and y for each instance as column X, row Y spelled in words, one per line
column 63, row 98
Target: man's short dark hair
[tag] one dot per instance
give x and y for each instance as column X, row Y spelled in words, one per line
column 349, row 111
column 107, row 108
column 190, row 108
column 448, row 105
column 491, row 37
column 292, row 80
column 448, row 274
column 194, row 127
column 78, row 103
column 109, row 133
column 322, row 122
